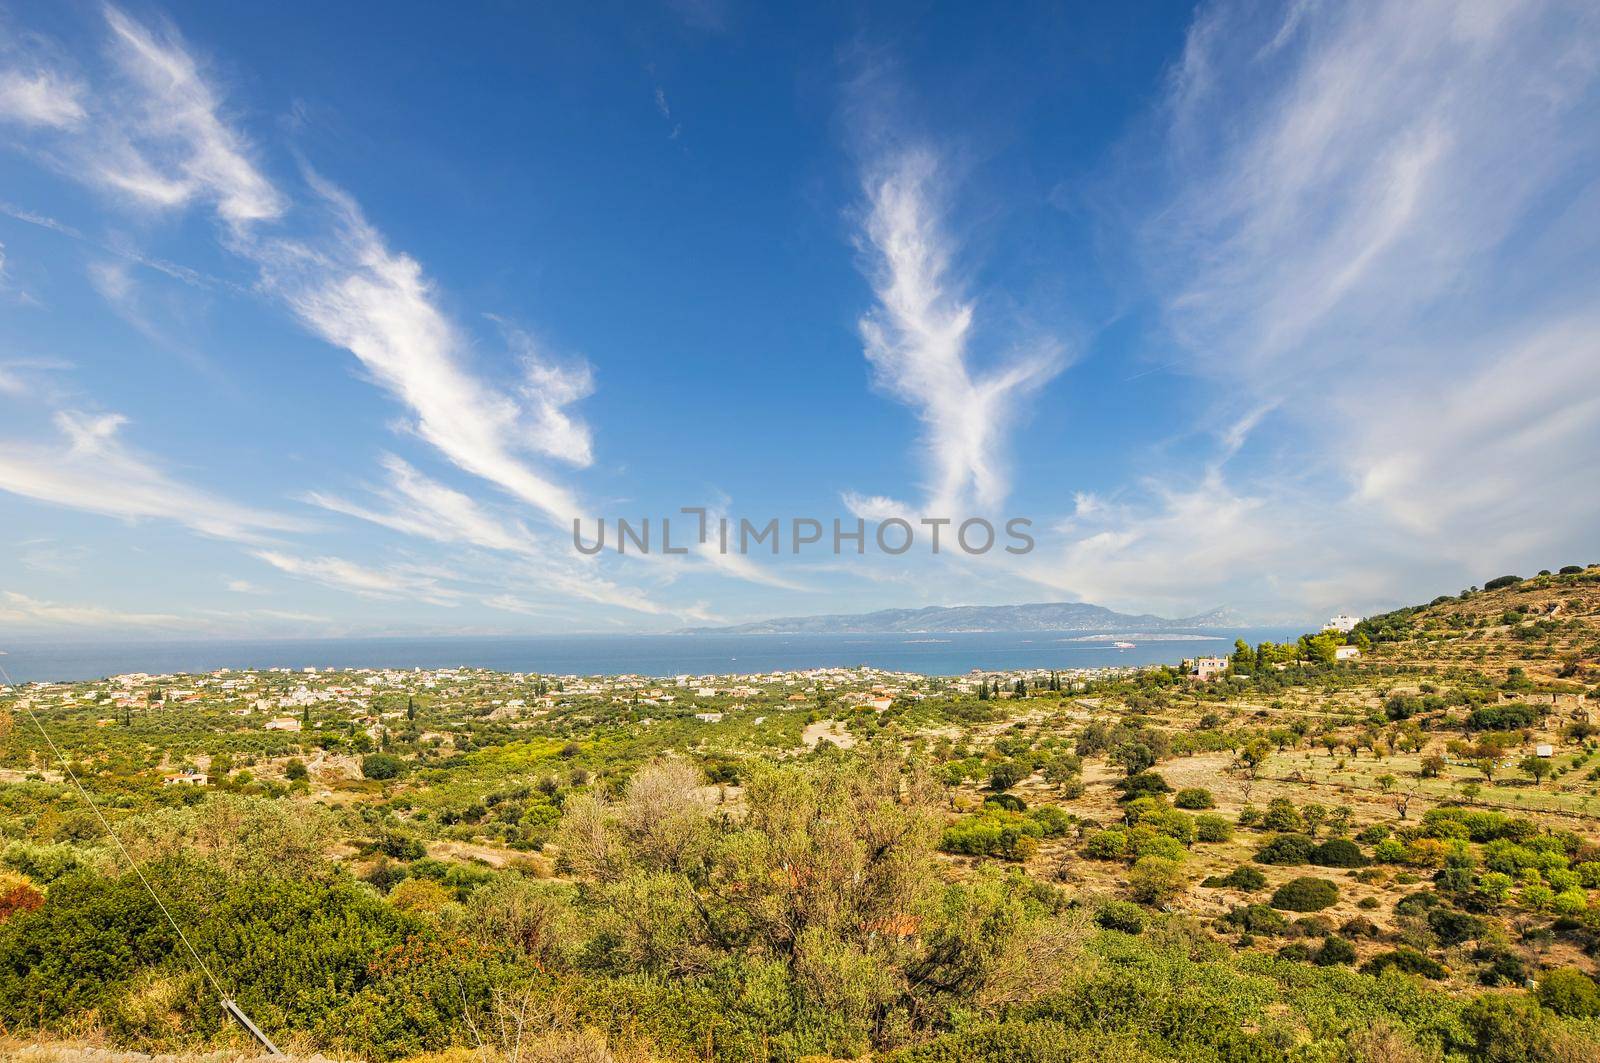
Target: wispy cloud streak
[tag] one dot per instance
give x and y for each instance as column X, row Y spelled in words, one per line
column 919, row 337
column 92, row 469
column 1380, row 237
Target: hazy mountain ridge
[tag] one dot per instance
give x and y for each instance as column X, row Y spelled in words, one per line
column 1036, row 616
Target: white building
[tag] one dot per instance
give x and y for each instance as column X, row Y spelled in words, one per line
column 1346, row 653
column 283, row 723
column 1343, row 623
column 1208, row 667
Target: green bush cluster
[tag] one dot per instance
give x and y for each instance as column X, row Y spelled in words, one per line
column 1305, row 894
column 1194, row 798
column 996, row 831
column 1287, row 849
column 1244, row 878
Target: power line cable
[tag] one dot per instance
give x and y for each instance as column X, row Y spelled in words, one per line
column 228, row 1003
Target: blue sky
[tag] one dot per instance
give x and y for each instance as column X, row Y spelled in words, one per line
column 319, row 322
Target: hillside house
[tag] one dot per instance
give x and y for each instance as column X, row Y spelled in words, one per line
column 1346, row 653
column 187, row 777
column 1208, row 668
column 1343, row 623
column 284, row 723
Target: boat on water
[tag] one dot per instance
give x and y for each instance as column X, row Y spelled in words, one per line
column 1123, row 645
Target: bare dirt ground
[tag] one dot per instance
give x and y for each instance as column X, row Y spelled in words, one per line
column 827, row 731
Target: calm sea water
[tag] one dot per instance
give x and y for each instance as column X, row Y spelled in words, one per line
column 657, row 655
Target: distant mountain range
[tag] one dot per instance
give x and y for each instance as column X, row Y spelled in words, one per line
column 1039, row 616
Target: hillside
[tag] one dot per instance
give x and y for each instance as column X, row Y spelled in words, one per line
column 1548, row 625
column 1383, row 859
column 933, row 619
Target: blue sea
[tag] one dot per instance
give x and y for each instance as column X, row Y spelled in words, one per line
column 655, row 655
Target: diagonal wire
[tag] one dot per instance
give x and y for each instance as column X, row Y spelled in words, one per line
column 66, row 766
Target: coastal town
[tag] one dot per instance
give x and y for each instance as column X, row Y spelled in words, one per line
column 278, row 714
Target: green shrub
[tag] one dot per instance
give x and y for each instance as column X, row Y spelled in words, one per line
column 1505, row 1028
column 1338, row 852
column 1053, row 820
column 993, row 1042
column 1142, row 841
column 381, row 766
column 1244, row 878
column 1156, row 880
column 1305, row 894
column 1501, row 717
column 1120, row 915
column 1194, row 797
column 43, row 863
column 1106, row 845
column 1569, row 992
column 1570, row 902
column 1389, row 851
column 1501, row 967
column 1334, row 951
column 1410, row 961
column 1454, row 928
column 993, row 832
column 1257, row 919
column 1147, row 814
column 1144, row 784
column 1286, row 849
column 1282, row 815
column 1417, row 904
column 1360, row 926
column 1007, row 774
column 1209, row 828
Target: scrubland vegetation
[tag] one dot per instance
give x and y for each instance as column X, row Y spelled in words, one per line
column 1303, row 859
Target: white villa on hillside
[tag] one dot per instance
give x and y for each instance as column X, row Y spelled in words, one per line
column 1343, row 623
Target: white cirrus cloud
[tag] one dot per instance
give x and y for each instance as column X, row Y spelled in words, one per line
column 357, row 294
column 176, row 146
column 418, row 505
column 158, row 134
column 919, row 340
column 1379, row 226
column 41, row 98
column 29, row 613
column 548, row 389
column 394, row 582
column 92, row 469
